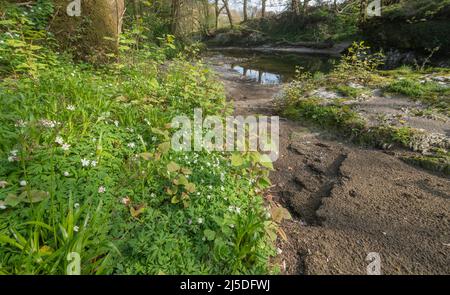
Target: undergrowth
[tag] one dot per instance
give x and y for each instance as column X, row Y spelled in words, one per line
column 86, row 168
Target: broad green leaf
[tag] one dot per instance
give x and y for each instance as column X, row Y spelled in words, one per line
column 175, row 200
column 190, row 187
column 266, row 161
column 237, row 160
column 33, row 196
column 146, row 156
column 136, row 212
column 173, row 167
column 181, row 180
column 12, row 200
column 279, row 214
column 164, row 147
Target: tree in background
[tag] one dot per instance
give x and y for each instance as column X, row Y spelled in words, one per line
column 95, row 33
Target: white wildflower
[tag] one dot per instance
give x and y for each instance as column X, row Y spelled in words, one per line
column 131, row 145
column 70, row 107
column 85, row 162
column 126, row 201
column 200, row 220
column 76, row 205
column 23, row 183
column 2, row 207
column 20, row 123
column 94, row 163
column 76, row 228
column 48, row 123
column 12, row 159
column 209, row 197
column 238, row 210
column 59, row 140
column 101, row 190
column 14, row 153
column 3, row 184
column 65, row 147
column 116, row 123
column 66, row 174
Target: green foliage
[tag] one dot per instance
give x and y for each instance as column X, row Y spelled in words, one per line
column 357, row 65
column 86, row 167
column 22, row 35
column 319, row 24
column 411, row 25
column 429, row 92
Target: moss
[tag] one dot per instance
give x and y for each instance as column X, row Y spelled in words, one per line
column 429, row 92
column 432, row 163
column 348, row 91
column 349, row 124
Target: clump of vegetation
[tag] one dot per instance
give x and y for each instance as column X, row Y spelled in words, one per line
column 300, row 101
column 430, row 92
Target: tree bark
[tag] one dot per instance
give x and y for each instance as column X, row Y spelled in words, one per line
column 245, row 10
column 93, row 35
column 216, row 8
column 263, row 8
column 295, row 7
column 227, row 8
column 175, row 16
column 305, row 6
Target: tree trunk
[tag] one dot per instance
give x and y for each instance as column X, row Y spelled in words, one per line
column 295, row 7
column 175, row 16
column 363, row 11
column 245, row 10
column 263, row 8
column 305, row 6
column 136, row 9
column 95, row 33
column 227, row 8
column 216, row 8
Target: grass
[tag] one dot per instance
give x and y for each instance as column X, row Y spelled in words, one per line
column 430, row 93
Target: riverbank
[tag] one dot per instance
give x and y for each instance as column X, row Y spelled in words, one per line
column 334, row 50
column 347, row 201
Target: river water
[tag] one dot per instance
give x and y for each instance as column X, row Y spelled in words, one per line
column 273, row 69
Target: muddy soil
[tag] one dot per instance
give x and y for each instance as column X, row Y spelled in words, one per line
column 348, row 201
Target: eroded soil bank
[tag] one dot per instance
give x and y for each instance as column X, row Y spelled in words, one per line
column 348, row 201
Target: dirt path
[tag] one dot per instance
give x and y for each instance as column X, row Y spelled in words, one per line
column 348, row 201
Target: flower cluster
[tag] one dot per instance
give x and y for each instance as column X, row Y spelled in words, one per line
column 13, row 156
column 48, row 123
column 87, row 163
column 59, row 140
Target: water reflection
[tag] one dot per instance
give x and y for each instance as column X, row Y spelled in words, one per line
column 271, row 69
column 261, row 77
